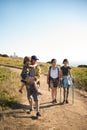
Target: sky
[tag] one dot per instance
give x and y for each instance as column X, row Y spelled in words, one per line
column 45, row 28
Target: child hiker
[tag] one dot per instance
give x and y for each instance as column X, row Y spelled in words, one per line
column 53, row 79
column 65, row 77
column 25, row 73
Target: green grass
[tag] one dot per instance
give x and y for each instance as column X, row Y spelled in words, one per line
column 9, row 84
column 80, row 77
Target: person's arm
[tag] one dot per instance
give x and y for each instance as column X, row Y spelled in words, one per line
column 70, row 71
column 48, row 77
column 37, row 73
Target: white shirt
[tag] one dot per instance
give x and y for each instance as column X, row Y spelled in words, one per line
column 54, row 73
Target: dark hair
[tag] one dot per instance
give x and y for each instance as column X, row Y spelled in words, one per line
column 52, row 60
column 26, row 59
column 65, row 60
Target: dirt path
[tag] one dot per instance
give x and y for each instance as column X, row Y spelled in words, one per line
column 54, row 117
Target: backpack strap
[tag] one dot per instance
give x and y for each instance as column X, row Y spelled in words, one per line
column 50, row 70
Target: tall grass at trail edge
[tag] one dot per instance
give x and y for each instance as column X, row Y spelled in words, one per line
column 9, row 85
column 80, row 77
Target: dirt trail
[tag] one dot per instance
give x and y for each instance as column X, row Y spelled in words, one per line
column 54, row 117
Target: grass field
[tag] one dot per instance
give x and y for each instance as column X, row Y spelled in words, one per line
column 80, row 77
column 9, row 84
column 11, row 61
column 19, row 63
column 79, row 74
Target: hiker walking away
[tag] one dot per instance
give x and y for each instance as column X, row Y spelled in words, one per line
column 53, row 79
column 25, row 73
column 30, row 87
column 65, row 77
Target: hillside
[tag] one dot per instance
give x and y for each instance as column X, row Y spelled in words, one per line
column 79, row 73
column 54, row 117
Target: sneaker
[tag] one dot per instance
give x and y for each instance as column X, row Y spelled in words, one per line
column 20, row 91
column 67, row 102
column 38, row 114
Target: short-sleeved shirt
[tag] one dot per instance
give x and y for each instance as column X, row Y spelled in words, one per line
column 65, row 70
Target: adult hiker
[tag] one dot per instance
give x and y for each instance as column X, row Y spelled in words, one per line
column 34, row 75
column 66, row 77
column 53, row 79
column 25, row 73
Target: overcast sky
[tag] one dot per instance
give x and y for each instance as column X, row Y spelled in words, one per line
column 46, row 28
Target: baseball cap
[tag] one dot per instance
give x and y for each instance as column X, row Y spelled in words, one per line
column 34, row 57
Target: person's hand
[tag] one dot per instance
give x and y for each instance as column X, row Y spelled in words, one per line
column 28, row 80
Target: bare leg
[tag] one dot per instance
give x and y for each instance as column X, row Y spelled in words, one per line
column 31, row 104
column 64, row 94
column 22, row 86
column 55, row 92
column 37, row 106
column 67, row 94
column 37, row 109
column 52, row 90
column 52, row 93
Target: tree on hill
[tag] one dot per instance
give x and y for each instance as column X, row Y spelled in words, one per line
column 4, row 55
column 82, row 66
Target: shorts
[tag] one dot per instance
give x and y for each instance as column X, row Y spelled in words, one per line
column 24, row 76
column 31, row 91
column 54, row 81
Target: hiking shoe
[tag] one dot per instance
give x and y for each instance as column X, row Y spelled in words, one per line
column 67, row 102
column 38, row 114
column 20, row 91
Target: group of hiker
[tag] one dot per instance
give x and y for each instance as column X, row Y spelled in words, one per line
column 30, row 77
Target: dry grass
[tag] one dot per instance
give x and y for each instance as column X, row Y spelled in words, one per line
column 9, row 84
column 11, row 61
column 80, row 77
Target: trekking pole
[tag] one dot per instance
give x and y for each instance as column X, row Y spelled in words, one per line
column 72, row 93
column 72, row 85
